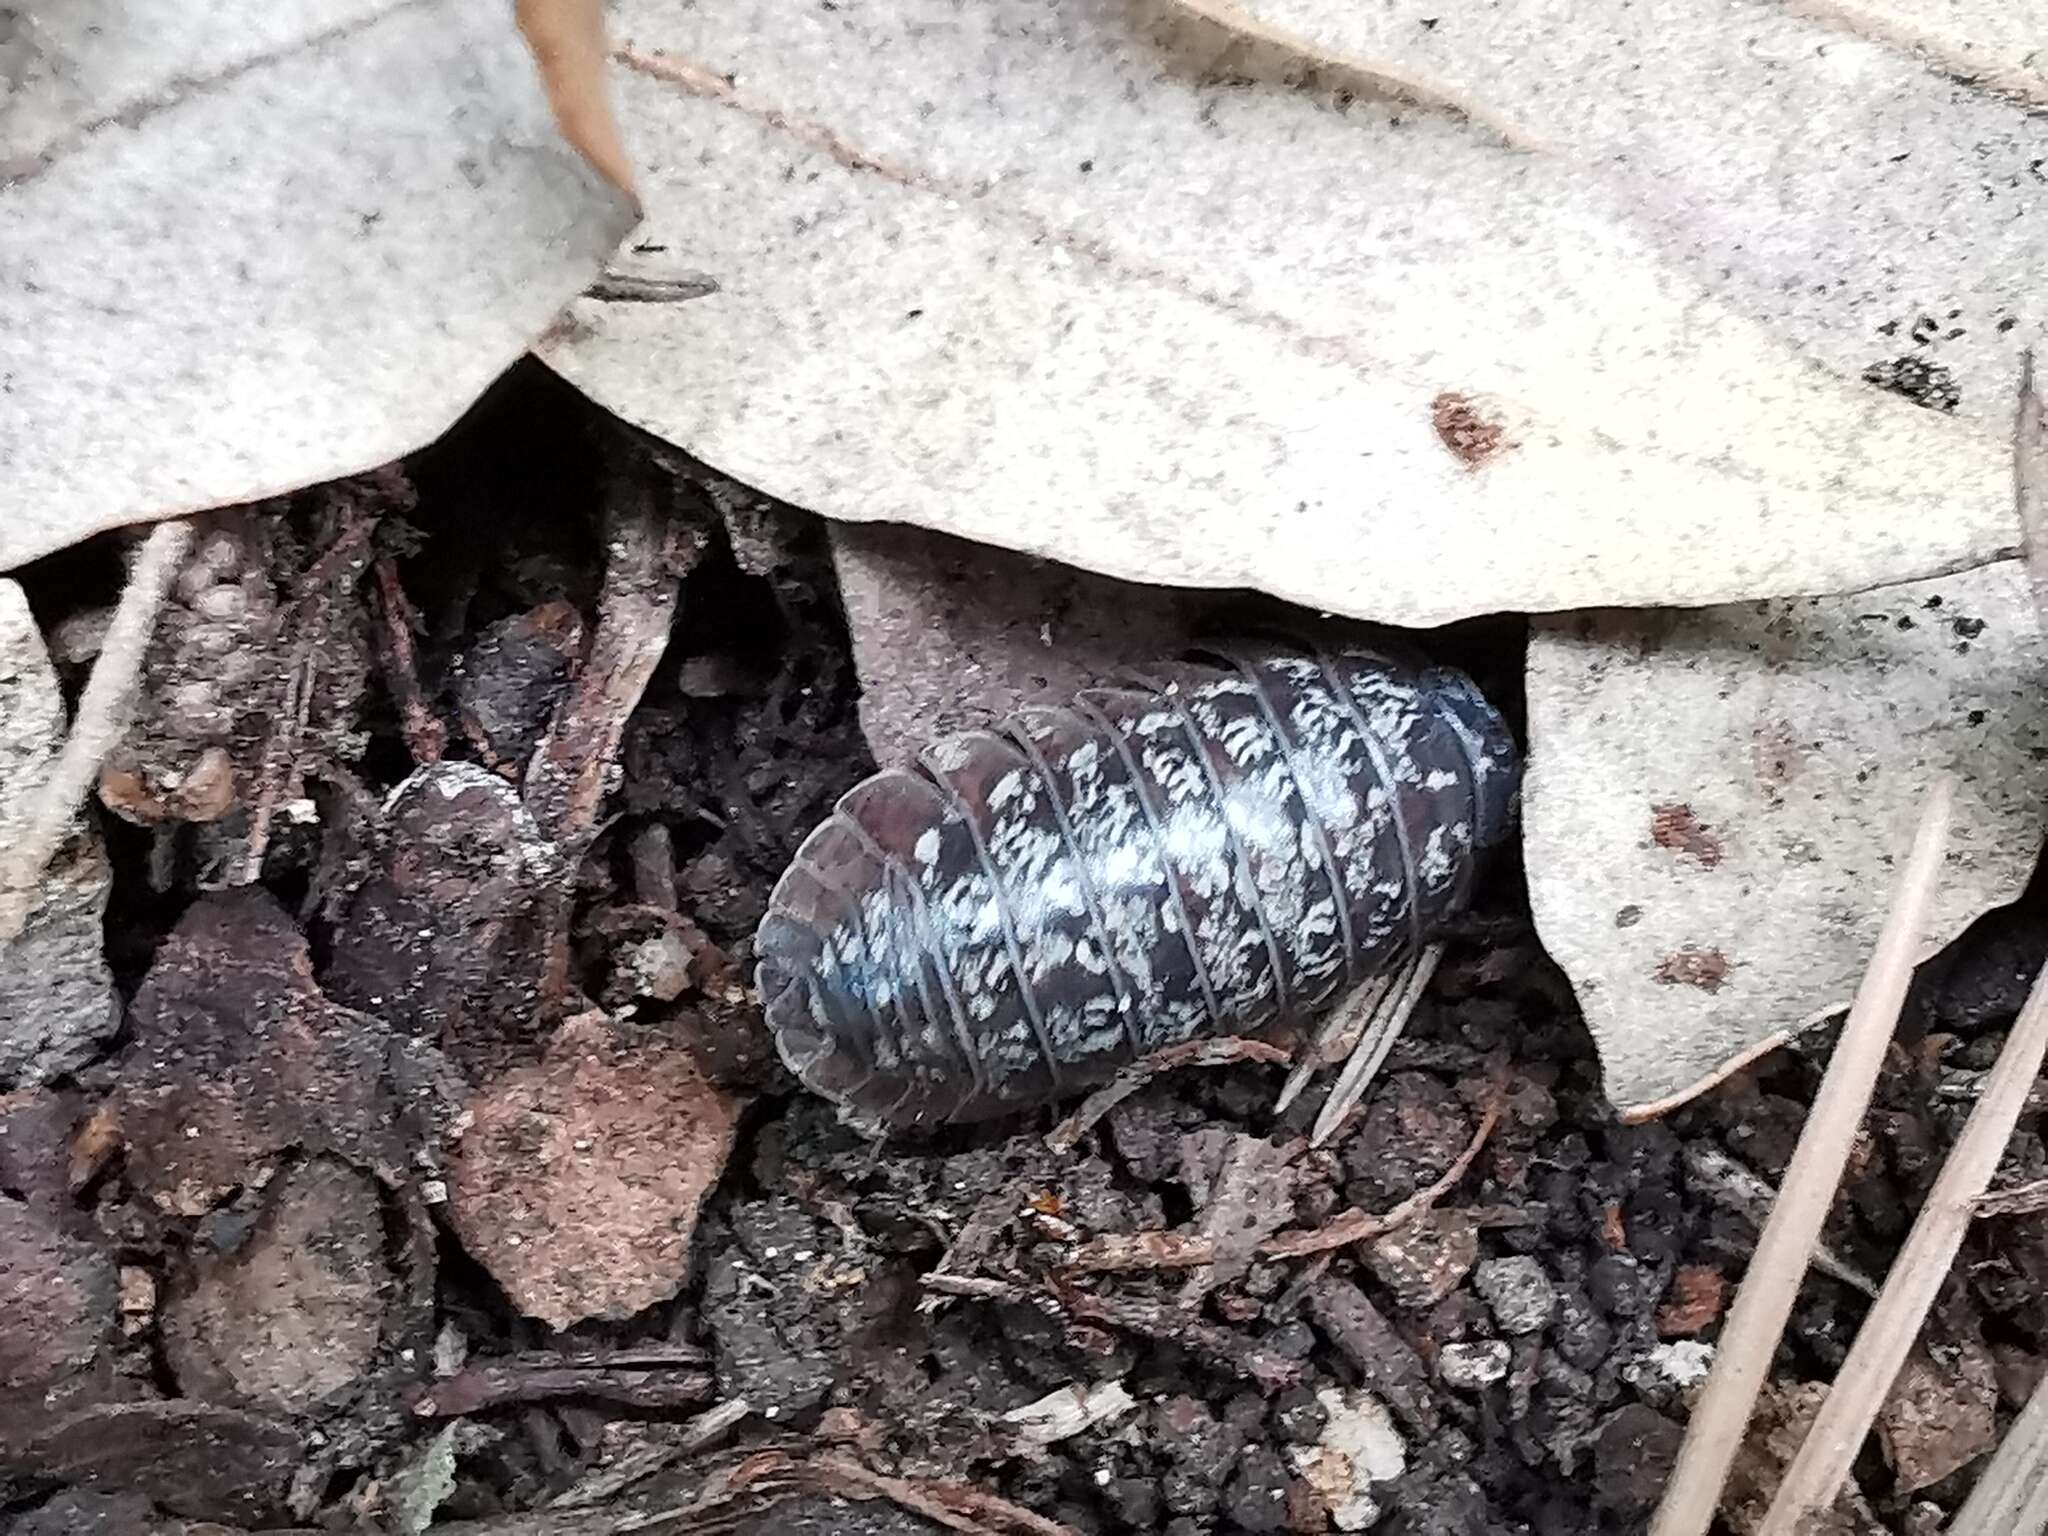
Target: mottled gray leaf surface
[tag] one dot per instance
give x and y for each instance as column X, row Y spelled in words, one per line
column 1716, row 802
column 1019, row 273
column 251, row 246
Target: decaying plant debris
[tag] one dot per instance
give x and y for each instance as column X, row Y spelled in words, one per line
column 441, row 1176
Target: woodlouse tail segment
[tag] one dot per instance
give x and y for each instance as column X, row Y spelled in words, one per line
column 803, row 951
column 986, row 1031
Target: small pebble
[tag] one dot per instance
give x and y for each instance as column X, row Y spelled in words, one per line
column 1257, row 1498
column 1518, row 1291
column 1469, row 1367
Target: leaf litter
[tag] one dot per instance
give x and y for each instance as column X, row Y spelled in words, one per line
column 804, row 1299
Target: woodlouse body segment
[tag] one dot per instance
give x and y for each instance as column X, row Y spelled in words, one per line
column 1234, row 841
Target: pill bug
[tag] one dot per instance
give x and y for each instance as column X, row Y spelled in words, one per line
column 1235, row 840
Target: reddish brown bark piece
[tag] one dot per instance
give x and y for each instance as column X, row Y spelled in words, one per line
column 293, row 1319
column 238, row 1058
column 577, row 1183
column 669, row 1376
column 1693, row 1302
column 56, row 1298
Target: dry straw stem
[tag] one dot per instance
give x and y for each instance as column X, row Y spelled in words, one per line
column 2011, row 1498
column 1354, row 1013
column 1382, row 1029
column 1822, row 1465
column 1757, row 1319
column 30, row 834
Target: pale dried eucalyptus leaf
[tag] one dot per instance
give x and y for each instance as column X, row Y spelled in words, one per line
column 1717, row 802
column 250, row 247
column 1022, row 275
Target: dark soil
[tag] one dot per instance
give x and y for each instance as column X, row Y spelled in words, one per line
column 249, row 1179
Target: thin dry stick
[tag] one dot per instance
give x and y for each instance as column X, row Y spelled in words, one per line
column 1379, row 1037
column 1762, row 1306
column 2011, row 1498
column 2021, row 1200
column 102, row 719
column 1224, row 1052
column 1355, row 1012
column 1822, row 1465
column 1356, row 1226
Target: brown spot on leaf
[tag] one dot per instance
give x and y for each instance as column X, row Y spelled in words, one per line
column 1706, row 969
column 1674, row 826
column 1464, row 431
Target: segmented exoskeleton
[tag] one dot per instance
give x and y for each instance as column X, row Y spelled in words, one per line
column 1239, row 839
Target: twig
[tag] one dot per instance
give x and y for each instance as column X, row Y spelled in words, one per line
column 956, row 1506
column 104, row 710
column 1381, row 1031
column 624, row 288
column 979, row 1287
column 1162, row 1320
column 1122, row 1252
column 660, row 1445
column 1225, row 1052
column 1745, row 1192
column 1246, row 1205
column 280, row 760
column 1117, row 1252
column 641, row 1378
column 1354, row 1225
column 1822, row 1465
column 425, row 736
column 2011, row 1498
column 650, row 546
column 1764, row 1303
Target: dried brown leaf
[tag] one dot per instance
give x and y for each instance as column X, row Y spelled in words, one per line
column 577, row 1182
